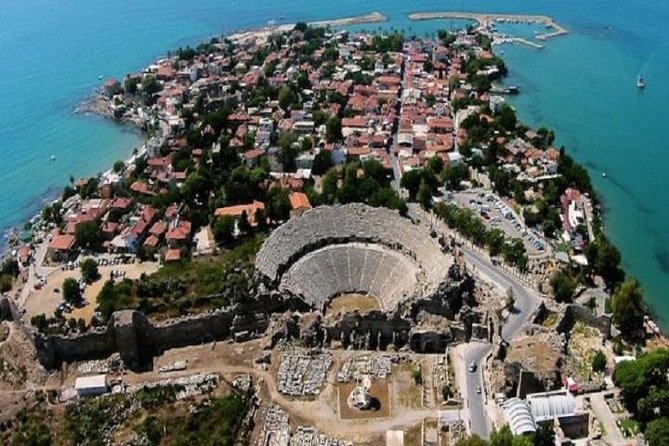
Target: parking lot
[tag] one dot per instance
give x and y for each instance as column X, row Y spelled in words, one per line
column 497, row 214
column 48, row 297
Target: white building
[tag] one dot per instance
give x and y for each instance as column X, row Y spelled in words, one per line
column 518, row 415
column 91, row 385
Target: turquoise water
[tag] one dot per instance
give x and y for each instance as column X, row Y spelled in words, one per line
column 582, row 85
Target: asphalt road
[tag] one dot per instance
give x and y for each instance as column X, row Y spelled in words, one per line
column 526, row 302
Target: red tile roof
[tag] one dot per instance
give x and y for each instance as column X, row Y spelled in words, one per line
column 172, row 255
column 299, row 200
column 237, row 210
column 62, row 242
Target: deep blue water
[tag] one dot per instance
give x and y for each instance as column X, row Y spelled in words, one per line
column 581, row 85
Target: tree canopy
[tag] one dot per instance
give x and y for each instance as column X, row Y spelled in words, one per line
column 643, row 384
column 628, row 309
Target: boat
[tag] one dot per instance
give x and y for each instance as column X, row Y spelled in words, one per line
column 640, row 82
column 53, row 157
column 100, row 77
column 603, row 174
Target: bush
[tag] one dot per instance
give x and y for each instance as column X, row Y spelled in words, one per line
column 417, row 376
column 446, row 392
column 599, row 362
column 563, row 286
column 71, row 291
column 89, row 270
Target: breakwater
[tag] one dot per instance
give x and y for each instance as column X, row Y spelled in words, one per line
column 487, row 19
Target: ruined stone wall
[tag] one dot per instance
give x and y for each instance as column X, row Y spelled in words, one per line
column 56, row 349
column 190, row 331
column 136, row 338
column 373, row 331
column 576, row 313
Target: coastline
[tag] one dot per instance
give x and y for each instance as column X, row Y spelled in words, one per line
column 93, row 105
column 373, row 17
column 98, row 105
column 485, row 19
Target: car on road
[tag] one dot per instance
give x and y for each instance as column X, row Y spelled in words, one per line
column 472, row 367
column 478, row 389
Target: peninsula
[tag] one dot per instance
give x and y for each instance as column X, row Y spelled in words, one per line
column 329, row 238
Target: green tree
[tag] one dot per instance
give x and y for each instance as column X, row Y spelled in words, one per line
column 286, row 97
column 446, row 392
column 474, row 440
column 545, row 435
column 6, row 283
column 196, row 189
column 657, row 432
column 599, row 362
column 243, row 224
column 39, row 321
column 424, row 195
column 643, row 376
column 507, row 118
column 412, row 181
column 89, row 270
column 223, row 229
column 10, row 267
column 322, row 162
column 278, row 204
column 150, row 85
column 88, row 235
column 333, row 129
column 495, row 241
column 71, row 291
column 563, row 286
column 627, row 308
column 119, row 166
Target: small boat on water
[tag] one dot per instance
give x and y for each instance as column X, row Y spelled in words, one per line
column 640, row 82
column 100, row 77
column 603, row 174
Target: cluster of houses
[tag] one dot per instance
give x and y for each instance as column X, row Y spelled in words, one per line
column 395, row 107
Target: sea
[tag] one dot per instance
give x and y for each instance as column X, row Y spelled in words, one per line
column 582, row 85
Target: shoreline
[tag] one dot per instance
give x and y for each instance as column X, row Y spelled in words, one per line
column 96, row 104
column 372, row 17
column 486, row 19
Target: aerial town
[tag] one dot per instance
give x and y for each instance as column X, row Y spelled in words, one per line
column 328, row 238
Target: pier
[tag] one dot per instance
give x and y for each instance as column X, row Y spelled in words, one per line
column 486, row 19
column 501, row 40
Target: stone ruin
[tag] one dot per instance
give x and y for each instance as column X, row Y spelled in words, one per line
column 424, row 300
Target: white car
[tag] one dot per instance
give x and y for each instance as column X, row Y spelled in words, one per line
column 472, row 367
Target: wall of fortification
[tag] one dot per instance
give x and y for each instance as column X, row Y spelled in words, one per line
column 577, row 313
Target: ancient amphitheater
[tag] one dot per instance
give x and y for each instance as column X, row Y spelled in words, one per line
column 353, row 248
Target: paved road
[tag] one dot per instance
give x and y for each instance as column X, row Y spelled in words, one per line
column 526, row 302
column 478, row 418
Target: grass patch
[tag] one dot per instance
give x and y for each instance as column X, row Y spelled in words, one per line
column 550, row 320
column 629, row 428
column 186, row 287
column 212, row 422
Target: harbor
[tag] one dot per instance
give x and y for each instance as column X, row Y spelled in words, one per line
column 487, row 19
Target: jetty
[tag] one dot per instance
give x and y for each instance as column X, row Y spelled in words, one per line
column 272, row 27
column 486, row 19
column 501, row 40
column 374, row 17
